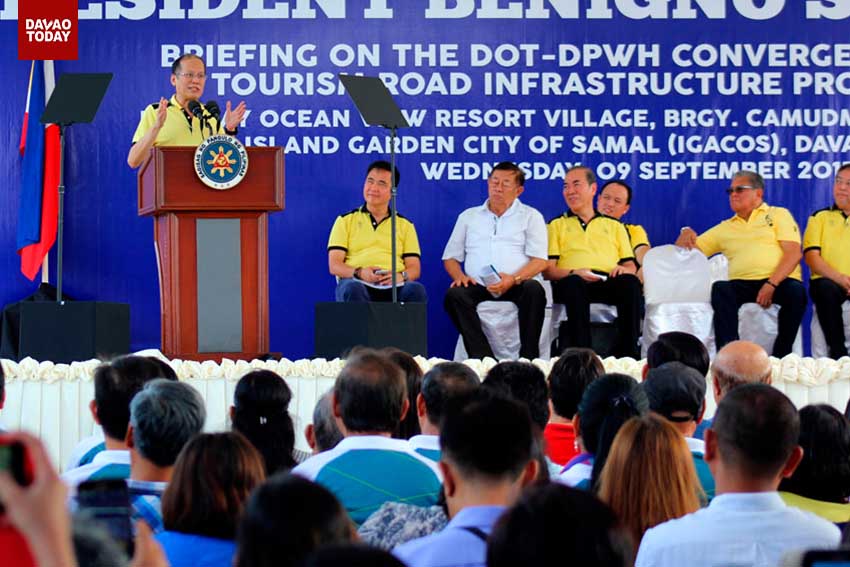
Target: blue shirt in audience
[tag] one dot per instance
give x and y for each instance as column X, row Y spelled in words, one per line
column 426, row 445
column 703, row 425
column 706, row 479
column 106, row 465
column 145, row 500
column 364, row 471
column 192, row 550
column 85, row 451
column 737, row 529
column 463, row 542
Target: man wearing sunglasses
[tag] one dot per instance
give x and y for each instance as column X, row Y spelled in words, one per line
column 171, row 123
column 762, row 244
column 827, row 249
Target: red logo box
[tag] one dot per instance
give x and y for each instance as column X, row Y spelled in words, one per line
column 47, row 29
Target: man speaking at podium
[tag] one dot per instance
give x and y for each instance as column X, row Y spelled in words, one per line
column 172, row 122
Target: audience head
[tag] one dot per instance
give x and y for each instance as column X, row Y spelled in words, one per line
column 649, row 476
column 677, row 393
column 486, row 438
column 164, row 415
column 260, row 412
column 409, row 426
column 370, row 394
column 739, row 363
column 443, row 383
column 753, row 438
column 824, row 472
column 608, row 402
column 570, row 375
column 286, row 519
column 352, row 555
column 212, row 479
column 323, row 434
column 677, row 346
column 115, row 384
column 524, row 382
column 553, row 525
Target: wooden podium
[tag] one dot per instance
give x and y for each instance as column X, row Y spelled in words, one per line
column 212, row 253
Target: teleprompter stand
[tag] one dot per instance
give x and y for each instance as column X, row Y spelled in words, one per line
column 63, row 331
column 343, row 325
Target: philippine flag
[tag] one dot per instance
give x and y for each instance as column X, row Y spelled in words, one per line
column 38, row 212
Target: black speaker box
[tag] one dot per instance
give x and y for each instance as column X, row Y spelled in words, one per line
column 340, row 326
column 73, row 330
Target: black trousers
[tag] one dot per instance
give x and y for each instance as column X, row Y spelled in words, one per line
column 828, row 298
column 728, row 296
column 624, row 291
column 529, row 297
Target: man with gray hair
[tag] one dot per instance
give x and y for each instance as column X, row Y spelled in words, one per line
column 736, row 364
column 164, row 416
column 762, row 244
column 323, row 434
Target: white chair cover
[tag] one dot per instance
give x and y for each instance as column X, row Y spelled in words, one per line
column 500, row 323
column 677, row 290
column 759, row 325
column 819, row 347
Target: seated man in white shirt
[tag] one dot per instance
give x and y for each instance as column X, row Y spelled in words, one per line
column 504, row 241
column 115, row 383
column 440, row 385
column 368, row 467
column 751, row 446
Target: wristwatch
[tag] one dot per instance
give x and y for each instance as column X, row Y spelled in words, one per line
column 404, row 276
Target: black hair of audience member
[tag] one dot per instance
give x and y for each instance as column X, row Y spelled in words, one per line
column 442, row 383
column 409, row 426
column 115, row 385
column 524, row 382
column 165, row 370
column 370, row 393
column 824, row 472
column 325, row 431
column 487, row 434
column 757, row 429
column 261, row 413
column 570, row 375
column 352, row 555
column 554, row 525
column 286, row 519
column 93, row 546
column 677, row 346
column 213, row 477
column 608, row 402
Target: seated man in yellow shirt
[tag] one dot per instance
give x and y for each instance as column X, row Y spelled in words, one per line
column 591, row 261
column 360, row 246
column 826, row 245
column 762, row 244
column 615, row 199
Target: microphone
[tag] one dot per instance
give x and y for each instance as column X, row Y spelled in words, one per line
column 198, row 112
column 214, row 112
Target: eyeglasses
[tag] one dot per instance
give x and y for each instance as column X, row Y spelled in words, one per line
column 193, row 76
column 738, row 189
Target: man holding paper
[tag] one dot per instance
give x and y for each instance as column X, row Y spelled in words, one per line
column 502, row 245
column 360, row 246
column 591, row 261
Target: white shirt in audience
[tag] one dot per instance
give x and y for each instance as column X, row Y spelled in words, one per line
column 736, row 530
column 84, row 448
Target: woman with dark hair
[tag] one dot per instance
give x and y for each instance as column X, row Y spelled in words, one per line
column 607, row 403
column 409, row 426
column 821, row 482
column 203, row 503
column 554, row 525
column 286, row 519
column 260, row 412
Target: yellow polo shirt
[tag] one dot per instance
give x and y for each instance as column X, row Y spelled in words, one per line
column 599, row 245
column 367, row 243
column 637, row 236
column 177, row 130
column 828, row 230
column 752, row 246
